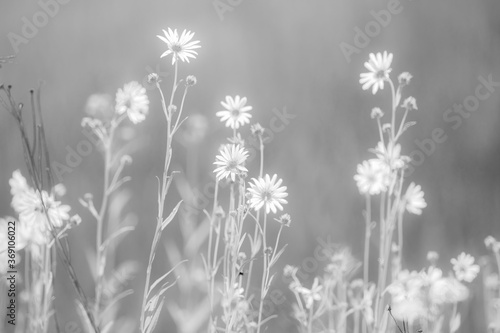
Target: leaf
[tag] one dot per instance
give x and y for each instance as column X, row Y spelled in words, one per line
column 407, row 125
column 151, row 323
column 171, row 216
column 163, row 277
column 276, row 257
column 455, row 323
column 115, row 234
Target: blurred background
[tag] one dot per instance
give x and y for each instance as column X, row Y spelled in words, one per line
column 280, row 54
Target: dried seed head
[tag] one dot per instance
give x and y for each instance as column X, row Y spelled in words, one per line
column 191, row 80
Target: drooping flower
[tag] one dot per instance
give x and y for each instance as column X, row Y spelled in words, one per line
column 133, row 100
column 266, row 192
column 372, row 177
column 410, row 104
column 34, row 225
column 230, row 162
column 180, row 47
column 414, row 199
column 235, row 113
column 464, row 267
column 404, row 79
column 379, row 68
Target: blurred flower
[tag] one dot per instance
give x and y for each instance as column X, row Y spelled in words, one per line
column 230, row 161
column 100, row 106
column 372, row 177
column 342, row 264
column 464, row 267
column 377, row 113
column 407, row 296
column 491, row 243
column 191, row 80
column 34, row 225
column 133, row 100
column 311, row 295
column 284, row 219
column 410, row 104
column 290, row 270
column 154, row 78
column 235, row 113
column 414, row 199
column 180, row 47
column 391, row 155
column 379, row 68
column 404, row 79
column 432, row 257
column 267, row 192
column 257, row 129
column 448, row 290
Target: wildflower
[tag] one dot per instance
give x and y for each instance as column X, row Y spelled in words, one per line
column 404, row 79
column 377, row 113
column 33, row 209
column 407, row 296
column 342, row 263
column 235, row 113
column 432, row 257
column 311, row 295
column 100, row 106
column 290, row 270
column 464, row 267
column 230, row 162
column 391, row 155
column 371, row 177
column 257, row 129
column 191, row 80
column 448, row 290
column 154, row 78
column 133, row 100
column 267, row 192
column 284, row 219
column 414, row 199
column 491, row 243
column 180, row 47
column 379, row 68
column 410, row 104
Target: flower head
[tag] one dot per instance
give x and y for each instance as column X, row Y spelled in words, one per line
column 410, row 104
column 180, row 47
column 235, row 113
column 133, row 100
column 377, row 113
column 464, row 267
column 372, row 177
column 284, row 220
column 230, row 162
column 311, row 295
column 404, row 79
column 267, row 192
column 33, row 209
column 379, row 68
column 414, row 199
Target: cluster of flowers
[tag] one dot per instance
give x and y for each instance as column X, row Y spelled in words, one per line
column 339, row 299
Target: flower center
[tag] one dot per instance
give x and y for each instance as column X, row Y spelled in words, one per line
column 380, row 74
column 235, row 113
column 176, row 48
column 267, row 196
column 231, row 165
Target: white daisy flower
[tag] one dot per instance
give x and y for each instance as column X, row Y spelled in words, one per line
column 379, row 68
column 410, row 104
column 235, row 113
column 414, row 199
column 230, row 162
column 34, row 225
column 267, row 192
column 464, row 267
column 133, row 100
column 372, row 177
column 180, row 47
column 391, row 154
